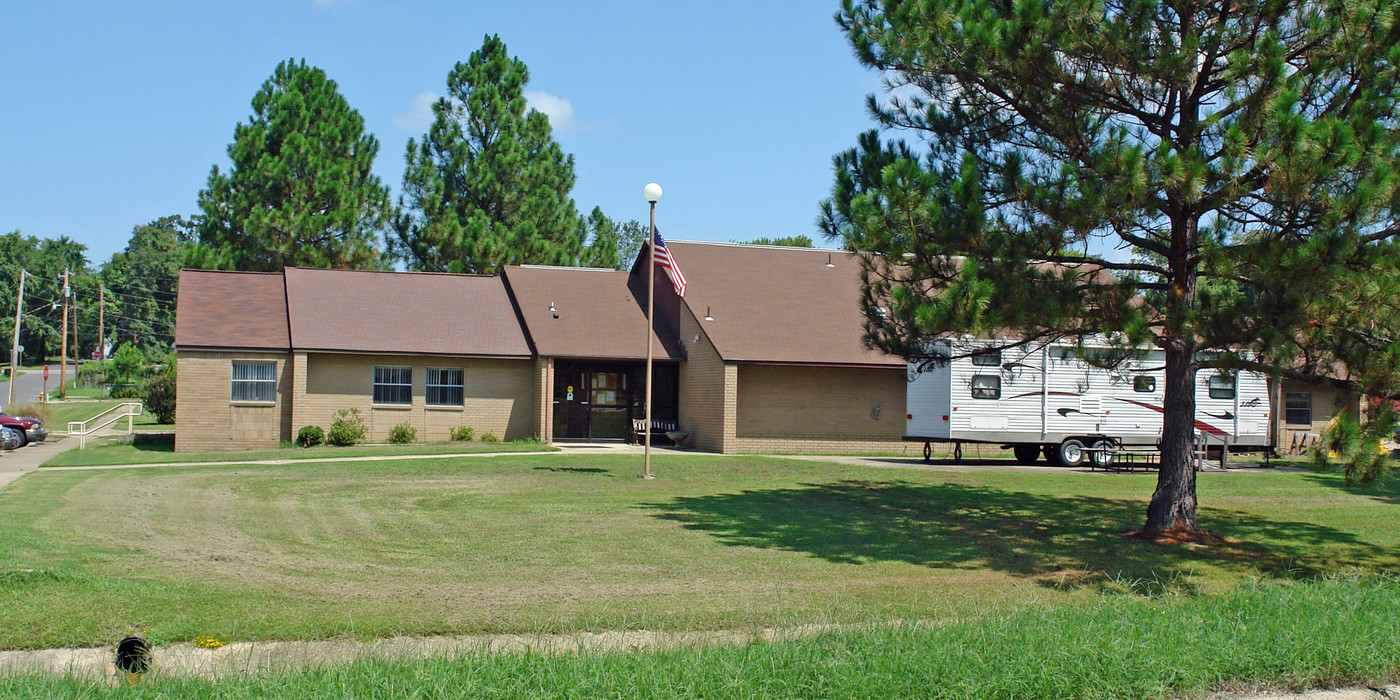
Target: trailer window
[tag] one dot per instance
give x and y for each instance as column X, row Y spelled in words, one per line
column 1144, row 384
column 986, row 387
column 1222, row 387
column 990, row 358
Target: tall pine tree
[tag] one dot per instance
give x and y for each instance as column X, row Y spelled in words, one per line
column 301, row 191
column 1202, row 177
column 487, row 186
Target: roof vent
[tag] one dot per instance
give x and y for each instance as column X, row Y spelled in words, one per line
column 552, row 311
column 708, row 317
column 828, row 260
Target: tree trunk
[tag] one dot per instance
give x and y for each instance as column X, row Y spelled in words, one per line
column 1173, row 506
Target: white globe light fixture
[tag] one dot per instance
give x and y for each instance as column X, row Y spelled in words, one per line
column 652, row 192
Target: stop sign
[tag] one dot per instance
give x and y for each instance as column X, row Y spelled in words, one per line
column 46, row 373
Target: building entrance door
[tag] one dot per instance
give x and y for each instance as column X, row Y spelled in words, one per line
column 591, row 405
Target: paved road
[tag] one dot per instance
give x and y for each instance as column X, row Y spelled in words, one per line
column 30, row 383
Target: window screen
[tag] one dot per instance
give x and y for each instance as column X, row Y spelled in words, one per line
column 445, row 387
column 1222, row 387
column 254, row 381
column 986, row 387
column 393, row 385
column 1297, row 407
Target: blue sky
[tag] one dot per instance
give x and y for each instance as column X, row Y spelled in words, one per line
column 114, row 113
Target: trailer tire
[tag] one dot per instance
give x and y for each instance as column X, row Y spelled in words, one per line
column 1026, row 454
column 928, row 452
column 1052, row 455
column 1100, row 458
column 1070, row 453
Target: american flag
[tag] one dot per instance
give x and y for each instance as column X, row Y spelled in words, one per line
column 663, row 259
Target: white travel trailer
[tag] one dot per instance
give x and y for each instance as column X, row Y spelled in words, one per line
column 1047, row 399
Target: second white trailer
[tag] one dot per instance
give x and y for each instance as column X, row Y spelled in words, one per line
column 1048, row 400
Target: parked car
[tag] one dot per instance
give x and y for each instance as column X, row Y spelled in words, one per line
column 29, row 429
column 9, row 438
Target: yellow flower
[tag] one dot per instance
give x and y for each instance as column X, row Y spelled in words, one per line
column 204, row 642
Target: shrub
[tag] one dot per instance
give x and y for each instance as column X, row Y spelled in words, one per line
column 463, row 433
column 311, row 436
column 159, row 397
column 402, row 434
column 489, row 437
column 347, row 429
column 33, row 410
column 128, row 366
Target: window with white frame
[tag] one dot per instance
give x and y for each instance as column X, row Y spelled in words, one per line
column 1222, row 386
column 254, row 381
column 1297, row 407
column 445, row 386
column 393, row 386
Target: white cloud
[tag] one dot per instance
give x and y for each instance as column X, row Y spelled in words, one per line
column 559, row 110
column 419, row 116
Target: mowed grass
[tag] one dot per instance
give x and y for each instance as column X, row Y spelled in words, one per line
column 1332, row 632
column 563, row 543
column 63, row 412
column 160, row 449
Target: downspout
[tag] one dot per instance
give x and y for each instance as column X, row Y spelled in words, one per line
column 1044, row 387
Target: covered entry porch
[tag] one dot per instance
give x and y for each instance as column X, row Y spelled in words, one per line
column 597, row 401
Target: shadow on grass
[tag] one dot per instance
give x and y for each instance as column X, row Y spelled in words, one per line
column 1385, row 489
column 574, row 470
column 153, row 442
column 1062, row 541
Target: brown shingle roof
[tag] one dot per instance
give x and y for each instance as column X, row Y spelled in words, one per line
column 244, row 310
column 775, row 304
column 415, row 313
column 599, row 314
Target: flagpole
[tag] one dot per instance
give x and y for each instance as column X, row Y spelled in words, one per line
column 652, row 192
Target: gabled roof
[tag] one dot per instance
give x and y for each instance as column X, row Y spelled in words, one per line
column 777, row 304
column 232, row 310
column 596, row 313
column 416, row 313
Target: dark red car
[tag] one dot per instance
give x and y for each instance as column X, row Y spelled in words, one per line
column 29, row 429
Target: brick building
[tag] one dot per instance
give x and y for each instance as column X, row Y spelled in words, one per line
column 763, row 354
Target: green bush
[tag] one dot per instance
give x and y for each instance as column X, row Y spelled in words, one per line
column 128, row 366
column 38, row 411
column 159, row 397
column 489, row 437
column 347, row 429
column 463, row 433
column 402, row 434
column 311, row 436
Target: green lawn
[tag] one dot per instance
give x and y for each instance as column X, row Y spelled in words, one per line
column 1327, row 633
column 566, row 543
column 63, row 412
column 160, row 448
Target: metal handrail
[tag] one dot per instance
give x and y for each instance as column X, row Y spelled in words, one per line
column 126, row 410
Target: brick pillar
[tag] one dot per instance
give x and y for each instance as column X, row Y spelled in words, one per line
column 544, row 398
column 300, row 409
column 729, row 411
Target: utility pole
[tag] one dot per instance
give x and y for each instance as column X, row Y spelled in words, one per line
column 77, row 353
column 101, row 316
column 14, row 349
column 63, row 343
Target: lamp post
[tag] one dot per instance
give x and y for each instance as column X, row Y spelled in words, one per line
column 652, row 193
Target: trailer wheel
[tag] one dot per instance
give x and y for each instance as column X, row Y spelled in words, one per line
column 1052, row 455
column 1026, row 454
column 1101, row 457
column 1071, row 453
column 928, row 452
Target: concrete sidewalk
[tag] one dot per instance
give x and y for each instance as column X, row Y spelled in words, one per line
column 17, row 463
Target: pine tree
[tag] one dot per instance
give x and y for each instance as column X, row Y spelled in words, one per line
column 301, row 191
column 487, row 186
column 1202, row 177
column 604, row 240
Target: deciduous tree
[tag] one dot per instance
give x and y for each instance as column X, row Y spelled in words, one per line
column 1202, row 177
